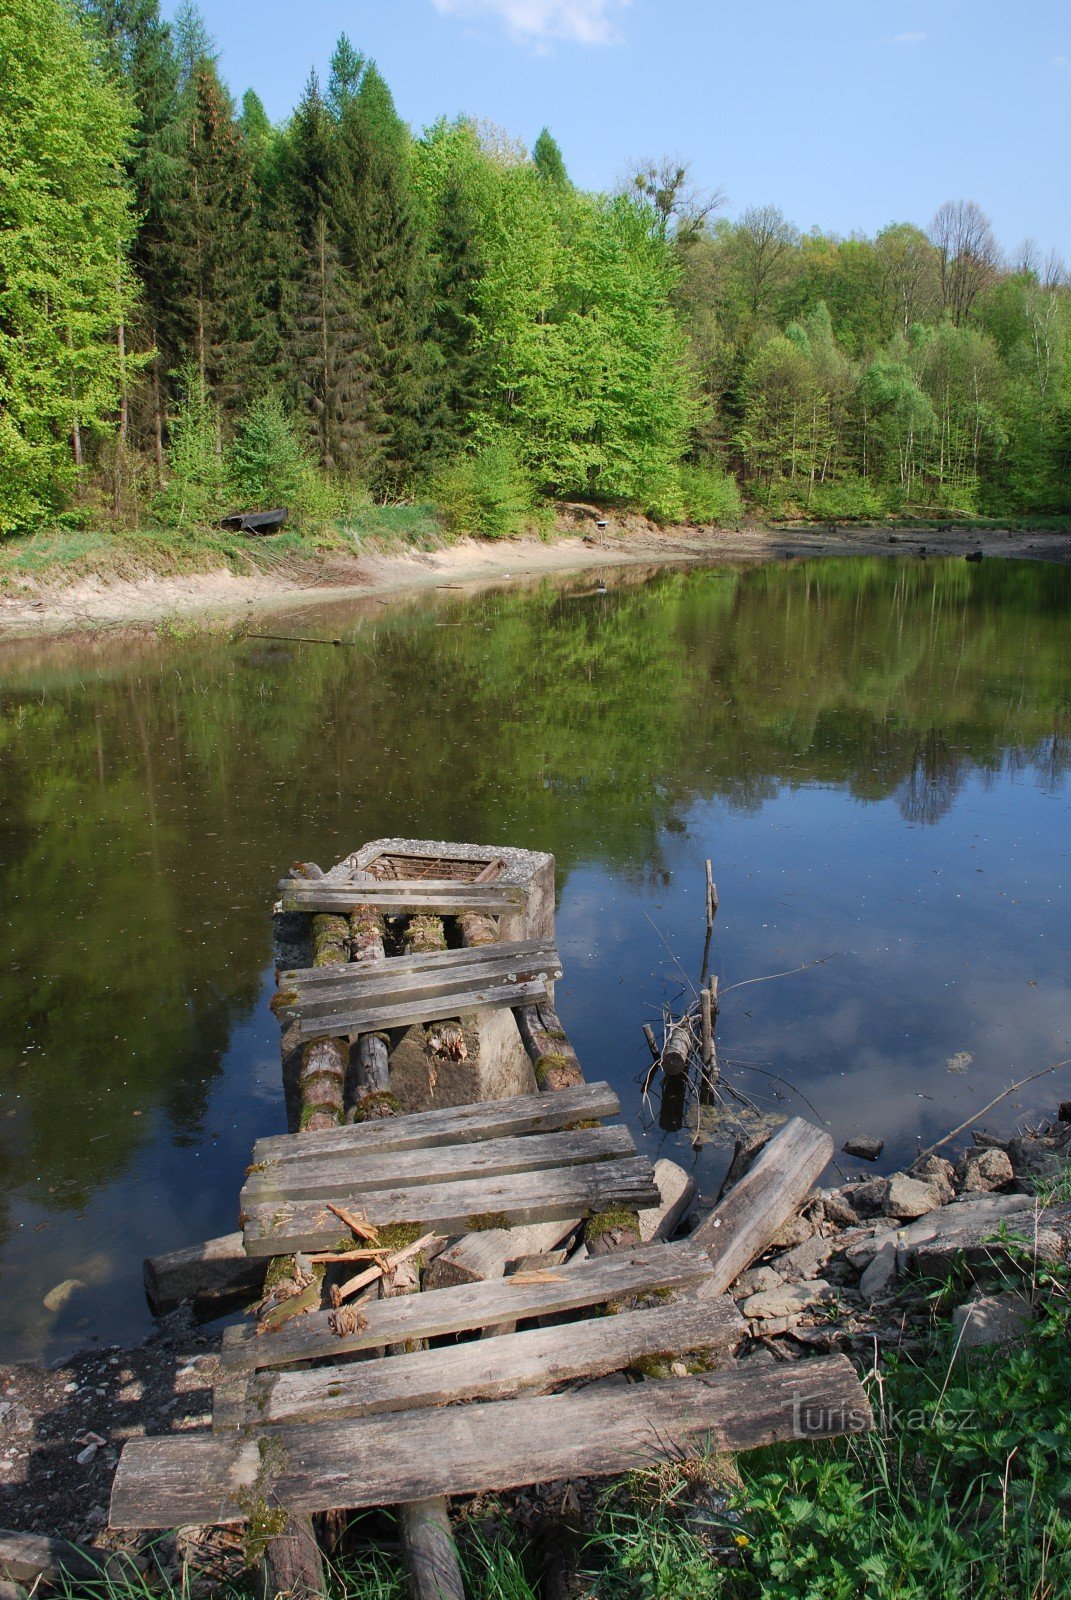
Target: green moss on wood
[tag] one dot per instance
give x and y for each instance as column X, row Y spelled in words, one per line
column 612, row 1220
column 398, row 1235
column 380, row 1103
column 548, row 1064
column 485, row 1221
column 283, row 999
column 424, row 933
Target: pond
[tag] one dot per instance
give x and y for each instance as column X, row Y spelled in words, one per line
column 874, row 754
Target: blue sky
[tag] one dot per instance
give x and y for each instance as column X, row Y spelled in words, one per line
column 846, row 113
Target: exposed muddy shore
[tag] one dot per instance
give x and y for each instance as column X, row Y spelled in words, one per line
column 57, row 603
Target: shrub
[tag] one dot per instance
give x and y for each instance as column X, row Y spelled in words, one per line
column 848, row 497
column 710, row 494
column 485, row 492
column 267, row 465
column 196, row 489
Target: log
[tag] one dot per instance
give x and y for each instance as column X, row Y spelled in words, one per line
column 480, row 1119
column 401, row 1457
column 26, row 1558
column 292, row 1564
column 456, row 1207
column 207, row 1275
column 744, row 1222
column 470, row 1306
column 553, row 1058
column 677, row 1050
column 329, row 1177
column 428, row 1550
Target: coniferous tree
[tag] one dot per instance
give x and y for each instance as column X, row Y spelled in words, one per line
column 549, row 161
column 325, row 363
column 382, row 244
column 213, row 250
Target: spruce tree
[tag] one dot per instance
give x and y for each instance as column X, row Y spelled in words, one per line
column 327, row 377
column 549, row 161
column 214, row 252
column 381, row 242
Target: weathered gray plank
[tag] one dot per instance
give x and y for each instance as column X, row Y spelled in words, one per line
column 327, row 1177
column 272, row 1230
column 428, row 960
column 370, row 1018
column 367, row 984
column 482, row 1119
column 214, row 1271
column 486, row 1369
column 470, row 1306
column 401, row 1457
column 745, row 1220
column 442, row 899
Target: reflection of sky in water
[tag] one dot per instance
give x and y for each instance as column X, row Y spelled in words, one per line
column 151, row 795
column 947, row 939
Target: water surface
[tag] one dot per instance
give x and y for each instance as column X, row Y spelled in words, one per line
column 874, row 753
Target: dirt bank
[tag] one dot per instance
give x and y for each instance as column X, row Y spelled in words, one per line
column 60, row 601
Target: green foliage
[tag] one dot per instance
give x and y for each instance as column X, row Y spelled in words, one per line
column 710, row 495
column 65, row 229
column 485, row 492
column 196, row 490
column 267, row 466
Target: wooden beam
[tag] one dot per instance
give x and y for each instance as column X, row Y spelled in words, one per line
column 165, row 1482
column 481, row 1119
column 210, row 1273
column 442, row 899
column 469, row 1306
column 744, row 1222
column 370, row 1018
column 519, row 950
column 458, row 1207
column 329, row 1176
column 370, row 984
column 532, row 1362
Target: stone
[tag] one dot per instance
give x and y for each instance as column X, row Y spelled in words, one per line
column 865, row 1148
column 56, row 1298
column 838, row 1208
column 1036, row 1159
column 757, row 1281
column 794, row 1231
column 860, row 1252
column 935, row 1170
column 1064, row 1113
column 790, row 1300
column 15, row 1418
column 868, row 1199
column 805, row 1260
column 677, row 1191
column 880, row 1275
column 909, row 1197
column 991, row 1319
column 983, row 1170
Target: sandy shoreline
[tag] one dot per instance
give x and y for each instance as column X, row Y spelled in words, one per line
column 35, row 608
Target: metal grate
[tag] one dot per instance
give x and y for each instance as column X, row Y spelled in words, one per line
column 410, row 869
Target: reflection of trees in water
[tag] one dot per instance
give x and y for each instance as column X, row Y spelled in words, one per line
column 937, row 774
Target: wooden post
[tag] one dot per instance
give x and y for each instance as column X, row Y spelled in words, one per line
column 429, row 1551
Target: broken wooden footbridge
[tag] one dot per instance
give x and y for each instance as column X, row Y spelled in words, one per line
column 458, row 1251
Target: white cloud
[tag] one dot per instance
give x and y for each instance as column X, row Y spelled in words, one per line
column 1061, row 61
column 538, row 21
column 908, row 38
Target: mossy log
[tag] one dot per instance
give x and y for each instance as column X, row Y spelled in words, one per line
column 553, row 1058
column 322, row 1081
column 366, row 934
column 476, row 929
column 330, row 940
column 423, row 933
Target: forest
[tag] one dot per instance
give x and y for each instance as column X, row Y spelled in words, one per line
column 200, row 310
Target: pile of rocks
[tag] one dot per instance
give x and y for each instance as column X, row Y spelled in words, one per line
column 859, row 1262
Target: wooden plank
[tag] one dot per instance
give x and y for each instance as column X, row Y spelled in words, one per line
column 442, row 899
column 401, row 1457
column 746, row 1219
column 469, row 1307
column 272, row 1230
column 369, row 1019
column 28, row 1557
column 481, row 1119
column 213, row 1272
column 330, row 1176
column 485, row 1369
column 369, row 984
column 427, row 960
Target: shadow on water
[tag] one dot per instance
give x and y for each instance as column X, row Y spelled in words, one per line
column 874, row 753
